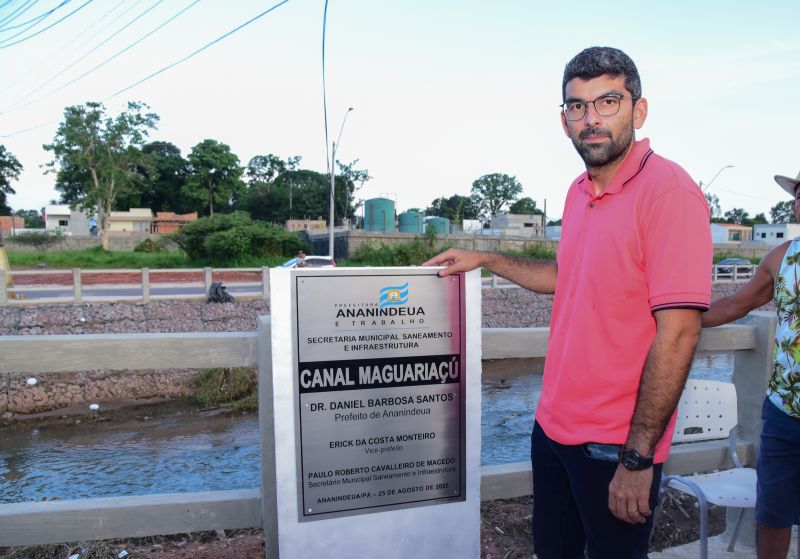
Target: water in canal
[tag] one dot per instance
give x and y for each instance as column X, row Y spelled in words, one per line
column 188, row 451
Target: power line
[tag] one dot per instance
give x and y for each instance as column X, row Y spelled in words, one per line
column 198, row 51
column 16, row 13
column 63, row 52
column 16, row 105
column 17, row 132
column 37, row 18
column 165, row 68
column 79, row 8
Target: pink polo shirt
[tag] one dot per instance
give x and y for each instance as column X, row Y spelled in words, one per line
column 640, row 246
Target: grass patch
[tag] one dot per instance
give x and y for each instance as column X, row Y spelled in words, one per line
column 234, row 387
column 97, row 258
column 723, row 255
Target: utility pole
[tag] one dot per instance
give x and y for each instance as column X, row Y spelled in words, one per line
column 332, row 169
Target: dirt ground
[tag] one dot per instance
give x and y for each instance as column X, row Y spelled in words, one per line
column 505, row 534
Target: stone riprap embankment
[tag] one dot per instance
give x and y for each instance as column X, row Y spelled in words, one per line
column 62, row 390
column 502, row 308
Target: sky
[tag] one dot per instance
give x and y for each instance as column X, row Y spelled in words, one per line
column 443, row 91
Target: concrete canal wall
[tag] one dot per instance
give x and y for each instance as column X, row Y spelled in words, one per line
column 509, row 308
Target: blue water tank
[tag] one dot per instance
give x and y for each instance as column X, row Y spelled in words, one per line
column 441, row 224
column 379, row 215
column 411, row 222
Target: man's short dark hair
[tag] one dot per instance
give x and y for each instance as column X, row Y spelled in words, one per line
column 600, row 61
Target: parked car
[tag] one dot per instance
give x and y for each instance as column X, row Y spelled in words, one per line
column 743, row 268
column 310, row 262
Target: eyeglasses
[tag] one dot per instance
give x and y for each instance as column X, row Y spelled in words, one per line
column 605, row 105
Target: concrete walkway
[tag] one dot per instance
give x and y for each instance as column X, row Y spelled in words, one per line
column 717, row 549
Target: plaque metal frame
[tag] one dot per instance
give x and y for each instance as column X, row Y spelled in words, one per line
column 370, row 281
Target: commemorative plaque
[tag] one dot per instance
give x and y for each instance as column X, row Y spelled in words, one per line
column 380, row 391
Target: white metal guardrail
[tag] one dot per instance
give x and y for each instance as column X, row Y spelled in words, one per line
column 718, row 274
column 145, row 290
column 119, row 517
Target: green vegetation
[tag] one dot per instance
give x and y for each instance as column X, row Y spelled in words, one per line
column 540, row 252
column 98, row 258
column 235, row 240
column 232, row 387
column 407, row 254
column 39, row 240
column 723, row 255
column 148, row 245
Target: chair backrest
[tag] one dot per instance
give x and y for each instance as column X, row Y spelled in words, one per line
column 706, row 411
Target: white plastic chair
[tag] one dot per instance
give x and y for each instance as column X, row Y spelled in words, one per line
column 707, row 411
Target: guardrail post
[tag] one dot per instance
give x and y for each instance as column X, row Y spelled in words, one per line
column 751, row 372
column 266, row 427
column 265, row 282
column 494, row 281
column 76, row 284
column 3, row 288
column 207, row 280
column 145, row 285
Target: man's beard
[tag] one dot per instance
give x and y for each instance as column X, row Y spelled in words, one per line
column 602, row 154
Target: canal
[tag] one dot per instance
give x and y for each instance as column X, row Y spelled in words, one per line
column 183, row 449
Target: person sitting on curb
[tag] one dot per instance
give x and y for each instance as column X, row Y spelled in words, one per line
column 778, row 465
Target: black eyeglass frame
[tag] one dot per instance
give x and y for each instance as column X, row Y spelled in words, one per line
column 586, row 102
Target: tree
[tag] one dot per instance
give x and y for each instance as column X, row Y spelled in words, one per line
column 10, row 169
column 525, row 205
column 737, row 215
column 491, row 193
column 310, row 197
column 33, row 219
column 164, row 175
column 263, row 169
column 96, row 157
column 457, row 208
column 214, row 175
column 758, row 219
column 355, row 179
column 713, row 204
column 234, row 239
column 782, row 212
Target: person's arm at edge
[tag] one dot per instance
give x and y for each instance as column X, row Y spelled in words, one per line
column 755, row 293
column 534, row 275
column 663, row 378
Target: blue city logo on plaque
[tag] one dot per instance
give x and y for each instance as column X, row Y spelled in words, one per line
column 393, row 295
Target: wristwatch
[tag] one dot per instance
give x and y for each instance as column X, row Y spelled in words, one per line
column 634, row 461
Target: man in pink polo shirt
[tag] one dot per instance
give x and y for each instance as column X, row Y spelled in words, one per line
column 630, row 281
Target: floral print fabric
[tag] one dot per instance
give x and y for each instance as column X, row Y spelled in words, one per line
column 784, row 386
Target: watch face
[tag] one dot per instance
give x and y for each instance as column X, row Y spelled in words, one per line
column 632, row 460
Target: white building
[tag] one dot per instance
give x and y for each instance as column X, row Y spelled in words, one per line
column 471, row 225
column 68, row 221
column 730, row 233
column 775, row 233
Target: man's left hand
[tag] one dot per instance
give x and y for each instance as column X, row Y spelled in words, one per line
column 629, row 495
